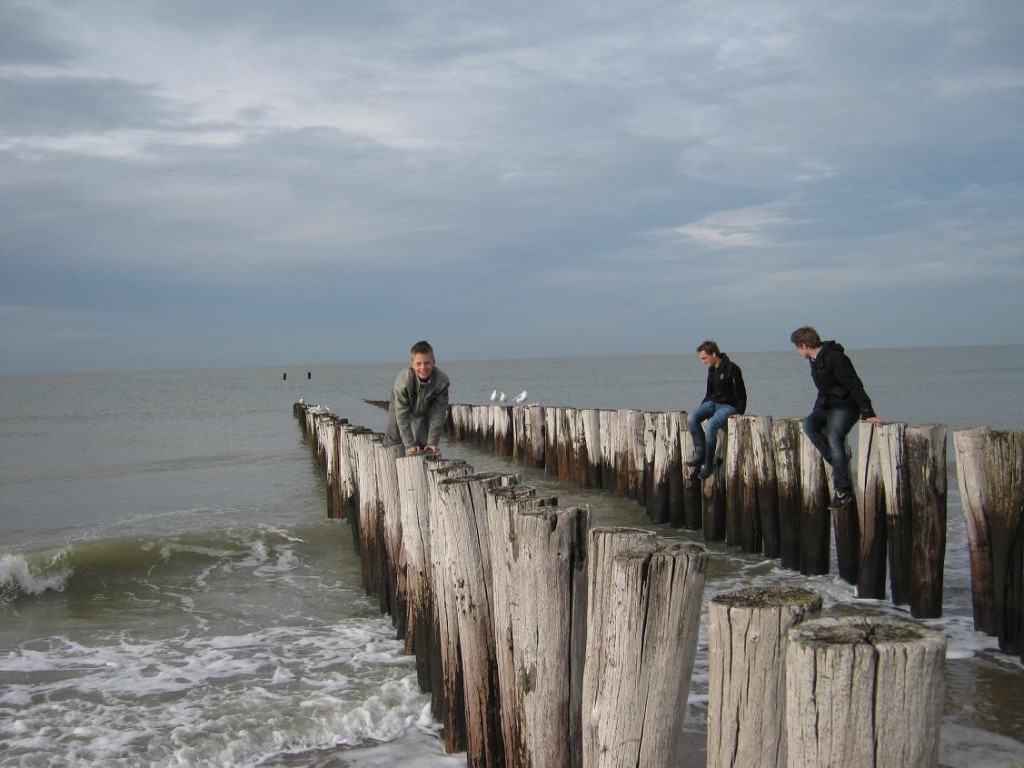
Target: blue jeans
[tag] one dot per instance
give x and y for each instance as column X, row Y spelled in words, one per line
column 827, row 429
column 714, row 415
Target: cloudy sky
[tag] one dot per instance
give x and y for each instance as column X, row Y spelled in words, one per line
column 192, row 183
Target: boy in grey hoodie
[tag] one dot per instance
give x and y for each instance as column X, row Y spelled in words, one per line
column 418, row 404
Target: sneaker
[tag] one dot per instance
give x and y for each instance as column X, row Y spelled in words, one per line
column 840, row 499
column 696, row 461
column 705, row 472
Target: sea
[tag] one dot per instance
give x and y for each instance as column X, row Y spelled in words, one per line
column 172, row 592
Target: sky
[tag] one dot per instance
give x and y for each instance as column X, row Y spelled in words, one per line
column 195, row 183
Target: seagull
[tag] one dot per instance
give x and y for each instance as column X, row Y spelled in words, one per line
column 520, row 397
column 494, row 396
column 502, row 397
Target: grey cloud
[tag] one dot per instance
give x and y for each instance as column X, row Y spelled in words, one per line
column 62, row 105
column 24, row 40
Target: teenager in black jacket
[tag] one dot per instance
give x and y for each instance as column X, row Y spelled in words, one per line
column 840, row 403
column 726, row 397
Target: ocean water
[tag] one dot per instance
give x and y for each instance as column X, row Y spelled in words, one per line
column 171, row 592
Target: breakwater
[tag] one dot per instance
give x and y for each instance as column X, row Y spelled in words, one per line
column 461, row 509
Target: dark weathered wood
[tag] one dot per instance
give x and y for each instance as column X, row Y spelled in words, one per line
column 786, row 442
column 743, row 523
column 990, row 471
column 748, row 633
column 892, row 442
column 926, row 455
column 814, row 512
column 871, row 514
column 648, row 646
column 608, row 425
column 633, row 466
column 661, row 452
column 764, row 472
column 589, row 448
column 501, row 420
column 690, row 485
column 864, row 692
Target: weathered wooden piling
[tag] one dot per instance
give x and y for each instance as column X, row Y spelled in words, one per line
column 990, row 472
column 786, row 442
column 893, row 454
column 814, row 513
column 606, row 543
column 649, row 641
column 390, row 578
column 447, row 686
column 539, row 564
column 864, row 692
column 748, row 635
column 465, row 576
column 665, row 469
column 743, row 523
column 871, row 513
column 926, row 456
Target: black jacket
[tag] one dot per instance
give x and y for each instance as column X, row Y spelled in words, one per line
column 725, row 384
column 838, row 384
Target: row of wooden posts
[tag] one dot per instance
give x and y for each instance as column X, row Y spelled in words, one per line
column 770, row 494
column 544, row 641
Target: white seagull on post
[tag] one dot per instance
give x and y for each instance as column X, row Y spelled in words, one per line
column 520, row 397
column 494, row 396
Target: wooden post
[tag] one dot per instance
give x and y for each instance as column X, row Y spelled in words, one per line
column 871, row 512
column 690, row 486
column 661, row 459
column 547, row 612
column 589, row 450
column 389, row 535
column 893, row 456
column 713, row 494
column 503, row 504
column 461, row 516
column 743, row 524
column 536, row 441
column 631, row 472
column 605, row 544
column 864, row 691
column 786, row 442
column 608, row 422
column 447, row 696
column 414, row 504
column 365, row 531
column 763, row 459
column 748, row 632
column 990, row 472
column 501, row 418
column 814, row 512
column 648, row 646
column 926, row 453
column 552, row 417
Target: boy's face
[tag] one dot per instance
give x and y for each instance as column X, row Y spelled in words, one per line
column 422, row 365
column 805, row 352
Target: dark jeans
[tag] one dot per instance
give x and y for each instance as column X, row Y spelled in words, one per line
column 705, row 439
column 827, row 429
